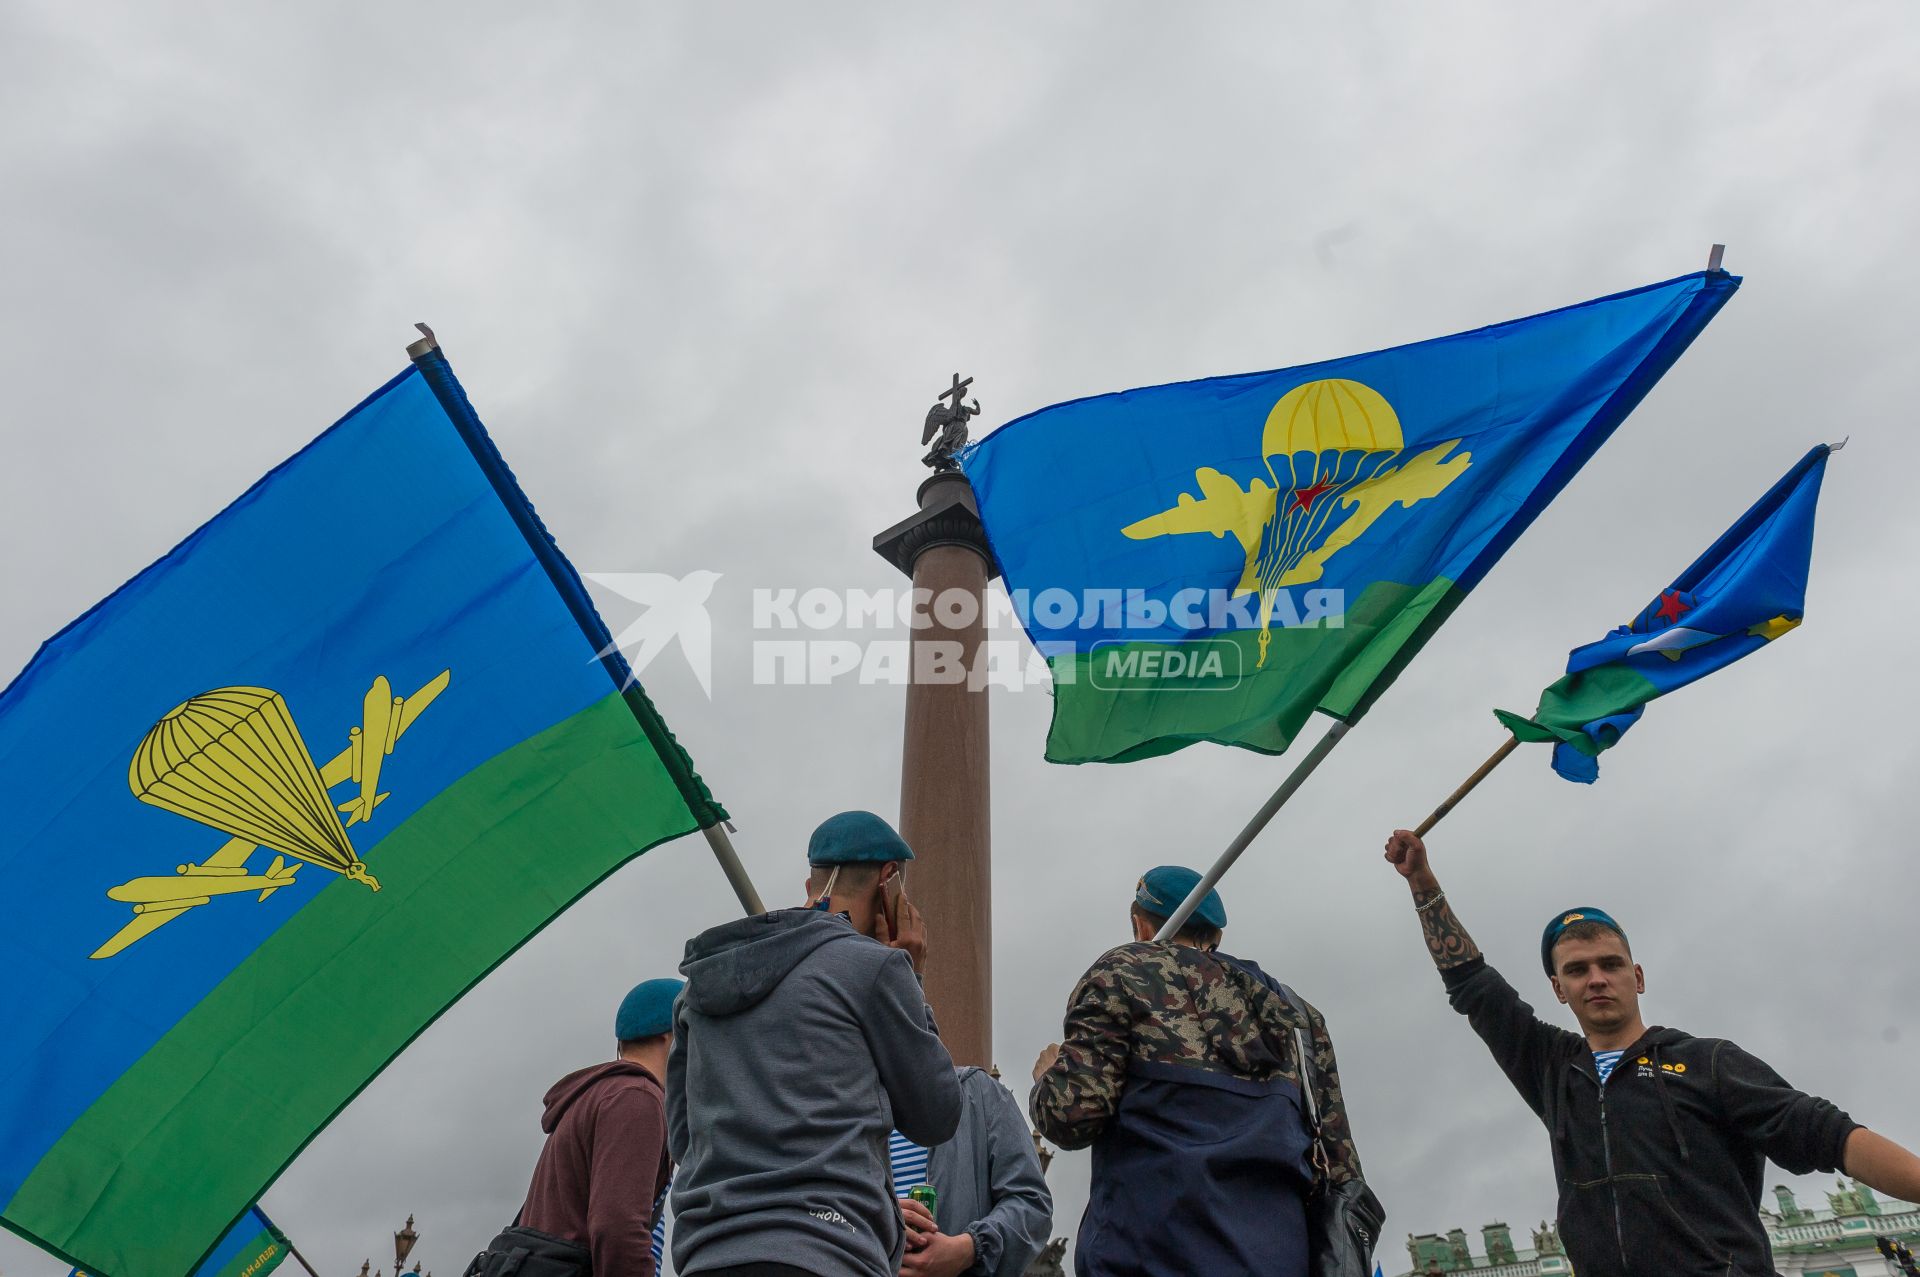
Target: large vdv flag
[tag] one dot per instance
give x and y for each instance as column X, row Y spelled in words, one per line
column 1748, row 589
column 279, row 801
column 1214, row 560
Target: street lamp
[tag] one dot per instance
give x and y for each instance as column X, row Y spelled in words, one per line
column 1044, row 1153
column 403, row 1246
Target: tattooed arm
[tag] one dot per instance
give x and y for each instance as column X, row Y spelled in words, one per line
column 1530, row 1051
column 1447, row 940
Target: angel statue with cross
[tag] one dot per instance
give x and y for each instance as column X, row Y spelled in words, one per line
column 949, row 421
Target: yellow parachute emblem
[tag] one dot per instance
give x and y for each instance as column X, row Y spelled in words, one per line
column 1336, row 414
column 233, row 759
column 1341, row 446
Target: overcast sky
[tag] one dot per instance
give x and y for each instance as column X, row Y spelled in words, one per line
column 702, row 269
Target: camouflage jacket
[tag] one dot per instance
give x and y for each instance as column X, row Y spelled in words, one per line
column 1173, row 1004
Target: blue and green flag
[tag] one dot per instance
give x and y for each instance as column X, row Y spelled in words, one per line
column 1215, row 560
column 279, row 801
column 252, row 1248
column 1748, row 589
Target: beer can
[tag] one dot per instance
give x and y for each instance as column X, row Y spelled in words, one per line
column 924, row 1194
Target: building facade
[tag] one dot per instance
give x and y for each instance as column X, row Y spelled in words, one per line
column 1840, row 1241
column 1499, row 1257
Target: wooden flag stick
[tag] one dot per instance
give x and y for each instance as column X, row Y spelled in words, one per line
column 1466, row 787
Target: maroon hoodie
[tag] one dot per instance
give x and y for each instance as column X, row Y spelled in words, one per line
column 604, row 1166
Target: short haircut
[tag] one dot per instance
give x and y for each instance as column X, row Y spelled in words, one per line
column 858, row 876
column 1199, row 934
column 627, row 1044
column 1588, row 931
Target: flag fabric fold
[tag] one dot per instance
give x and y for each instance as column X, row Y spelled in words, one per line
column 1215, row 560
column 278, row 802
column 1747, row 590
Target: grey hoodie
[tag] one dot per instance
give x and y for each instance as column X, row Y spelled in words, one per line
column 798, row 1045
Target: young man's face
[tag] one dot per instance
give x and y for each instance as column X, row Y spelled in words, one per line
column 1599, row 979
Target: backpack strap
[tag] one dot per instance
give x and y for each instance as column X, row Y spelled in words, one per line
column 1309, row 1078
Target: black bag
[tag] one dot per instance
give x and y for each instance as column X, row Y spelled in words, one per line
column 1343, row 1220
column 528, row 1252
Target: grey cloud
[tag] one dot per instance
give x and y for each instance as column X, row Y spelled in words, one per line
column 702, row 268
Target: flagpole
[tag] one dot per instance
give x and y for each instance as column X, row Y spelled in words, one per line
column 426, row 355
column 1466, row 786
column 730, row 866
column 295, row 1252
column 1294, row 780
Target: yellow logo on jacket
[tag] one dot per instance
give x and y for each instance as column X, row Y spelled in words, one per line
column 1664, row 1068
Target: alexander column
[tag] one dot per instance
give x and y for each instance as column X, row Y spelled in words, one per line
column 944, row 806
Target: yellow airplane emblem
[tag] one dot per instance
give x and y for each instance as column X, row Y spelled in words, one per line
column 1340, row 443
column 232, row 759
column 383, row 717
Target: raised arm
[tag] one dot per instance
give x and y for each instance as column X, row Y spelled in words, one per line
column 915, row 1070
column 1447, row 940
column 1525, row 1047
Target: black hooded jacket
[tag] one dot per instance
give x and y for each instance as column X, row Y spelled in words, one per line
column 1660, row 1170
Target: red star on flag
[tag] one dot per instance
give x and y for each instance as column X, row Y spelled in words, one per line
column 1303, row 498
column 1672, row 606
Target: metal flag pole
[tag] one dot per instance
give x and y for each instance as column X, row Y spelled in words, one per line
column 1466, row 786
column 1294, row 780
column 427, row 351
column 730, row 866
column 295, row 1252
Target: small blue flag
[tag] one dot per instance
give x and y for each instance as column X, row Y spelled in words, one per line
column 253, row 1247
column 1748, row 589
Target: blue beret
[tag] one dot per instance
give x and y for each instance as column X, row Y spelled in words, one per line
column 1162, row 890
column 856, row 838
column 648, row 1010
column 1561, row 921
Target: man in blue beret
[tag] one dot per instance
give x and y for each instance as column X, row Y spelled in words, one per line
column 1659, row 1138
column 1182, row 1068
column 602, row 1175
column 803, row 1039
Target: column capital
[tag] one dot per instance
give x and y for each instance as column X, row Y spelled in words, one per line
column 947, row 516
